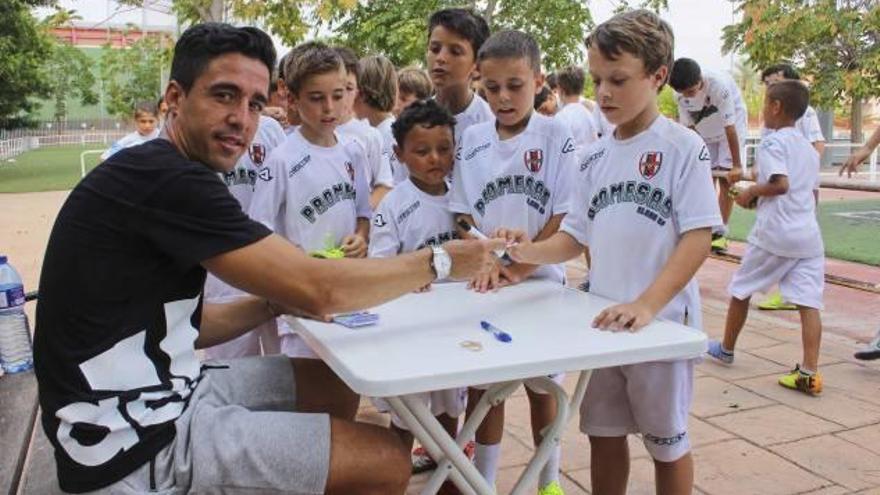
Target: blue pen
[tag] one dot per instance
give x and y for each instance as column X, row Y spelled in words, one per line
column 499, row 334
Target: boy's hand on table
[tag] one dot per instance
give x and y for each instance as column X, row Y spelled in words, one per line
column 627, row 317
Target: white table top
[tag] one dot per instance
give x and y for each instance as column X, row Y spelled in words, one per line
column 416, row 345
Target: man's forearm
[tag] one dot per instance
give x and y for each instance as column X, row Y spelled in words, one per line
column 222, row 322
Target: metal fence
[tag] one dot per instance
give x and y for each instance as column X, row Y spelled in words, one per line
column 10, row 147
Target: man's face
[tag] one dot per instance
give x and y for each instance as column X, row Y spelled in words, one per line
column 624, row 89
column 215, row 121
column 451, row 59
column 511, row 85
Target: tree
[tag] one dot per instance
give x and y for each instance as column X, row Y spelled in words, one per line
column 133, row 74
column 834, row 43
column 70, row 76
column 24, row 48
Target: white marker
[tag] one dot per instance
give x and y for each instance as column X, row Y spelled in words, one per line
column 472, row 230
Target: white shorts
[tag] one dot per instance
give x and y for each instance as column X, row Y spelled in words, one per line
column 530, row 384
column 292, row 345
column 801, row 280
column 719, row 154
column 261, row 341
column 648, row 398
column 451, row 402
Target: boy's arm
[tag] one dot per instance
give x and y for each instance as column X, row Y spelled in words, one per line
column 559, row 247
column 517, row 272
column 736, row 170
column 776, row 186
column 689, row 255
column 852, row 163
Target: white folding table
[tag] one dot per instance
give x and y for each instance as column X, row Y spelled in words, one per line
column 425, row 342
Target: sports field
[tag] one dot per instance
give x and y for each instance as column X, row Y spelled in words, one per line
column 54, row 168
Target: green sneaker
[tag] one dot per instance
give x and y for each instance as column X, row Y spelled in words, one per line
column 552, row 489
column 775, row 302
column 719, row 243
column 798, row 380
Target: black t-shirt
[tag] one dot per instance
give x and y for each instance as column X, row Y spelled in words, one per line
column 120, row 307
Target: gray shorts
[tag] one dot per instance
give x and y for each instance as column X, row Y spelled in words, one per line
column 239, row 435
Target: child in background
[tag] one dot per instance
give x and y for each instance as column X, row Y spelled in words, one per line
column 573, row 113
column 514, row 173
column 416, row 214
column 377, row 95
column 545, row 102
column 379, row 178
column 645, row 209
column 146, row 120
column 785, row 245
column 413, row 84
column 313, row 192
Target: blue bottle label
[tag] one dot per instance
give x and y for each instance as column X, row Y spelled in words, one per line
column 11, row 297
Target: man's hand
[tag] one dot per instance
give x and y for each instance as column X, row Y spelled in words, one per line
column 354, row 246
column 426, row 288
column 487, row 281
column 471, row 258
column 852, row 163
column 735, row 174
column 624, row 317
column 515, row 273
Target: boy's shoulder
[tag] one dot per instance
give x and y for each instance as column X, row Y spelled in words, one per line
column 674, row 135
column 398, row 195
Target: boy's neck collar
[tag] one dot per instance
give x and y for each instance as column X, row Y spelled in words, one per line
column 436, row 190
column 456, row 99
column 316, row 138
column 512, row 132
column 638, row 124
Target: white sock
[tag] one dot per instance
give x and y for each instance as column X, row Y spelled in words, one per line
column 486, row 460
column 550, row 471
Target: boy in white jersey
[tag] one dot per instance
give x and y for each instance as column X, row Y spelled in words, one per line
column 454, row 39
column 314, row 192
column 573, row 113
column 413, row 84
column 416, row 214
column 808, row 125
column 646, row 209
column 376, row 97
column 514, row 173
column 712, row 105
column 785, row 245
column 241, row 181
column 146, row 119
column 380, row 179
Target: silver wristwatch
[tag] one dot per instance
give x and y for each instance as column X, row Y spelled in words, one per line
column 441, row 263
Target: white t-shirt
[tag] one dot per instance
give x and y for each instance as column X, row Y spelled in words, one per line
column 371, row 140
column 409, row 219
column 580, row 121
column 635, row 199
column 133, row 139
column 399, row 171
column 786, row 225
column 808, row 125
column 717, row 105
column 518, row 183
column 600, row 123
column 312, row 195
column 241, row 181
column 478, row 111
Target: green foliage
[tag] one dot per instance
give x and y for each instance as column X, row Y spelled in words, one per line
column 655, row 5
column 560, row 31
column 666, row 102
column 749, row 82
column 70, row 75
column 835, row 44
column 133, row 74
column 24, row 48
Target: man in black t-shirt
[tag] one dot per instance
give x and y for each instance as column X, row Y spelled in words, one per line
column 124, row 399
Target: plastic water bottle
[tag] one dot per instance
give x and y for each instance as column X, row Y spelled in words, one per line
column 16, row 354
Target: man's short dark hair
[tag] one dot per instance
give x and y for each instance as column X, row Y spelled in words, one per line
column 685, row 74
column 202, row 43
column 512, row 44
column 571, row 79
column 793, row 95
column 788, row 72
column 463, row 22
column 543, row 95
column 426, row 113
column 349, row 59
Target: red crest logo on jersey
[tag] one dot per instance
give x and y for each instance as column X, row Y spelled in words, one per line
column 350, row 169
column 534, row 160
column 649, row 163
column 257, row 152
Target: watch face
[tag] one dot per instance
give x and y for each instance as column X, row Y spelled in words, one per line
column 442, row 263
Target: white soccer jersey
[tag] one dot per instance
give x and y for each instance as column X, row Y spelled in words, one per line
column 786, row 225
column 241, row 181
column 399, row 171
column 637, row 198
column 371, row 140
column 808, row 125
column 133, row 139
column 717, row 105
column 312, row 195
column 518, row 183
column 409, row 219
column 580, row 121
column 478, row 111
column 602, row 126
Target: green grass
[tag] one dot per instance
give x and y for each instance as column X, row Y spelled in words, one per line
column 845, row 238
column 46, row 169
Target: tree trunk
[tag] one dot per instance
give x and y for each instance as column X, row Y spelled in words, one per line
column 856, row 121
column 490, row 11
column 214, row 12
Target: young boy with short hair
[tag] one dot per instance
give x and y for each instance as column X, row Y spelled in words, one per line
column 413, row 84
column 712, row 105
column 573, row 113
column 454, row 39
column 645, row 209
column 146, row 120
column 376, row 97
column 514, row 173
column 380, row 179
column 313, row 191
column 785, row 245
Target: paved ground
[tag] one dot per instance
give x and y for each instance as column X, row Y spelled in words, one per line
column 750, row 435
